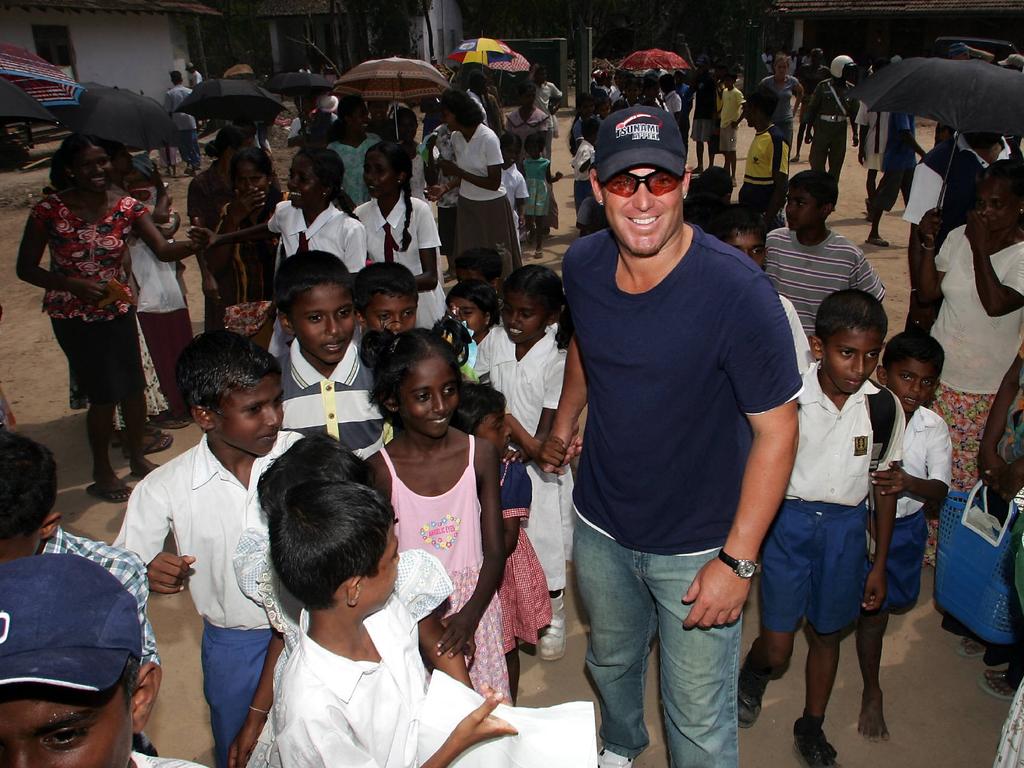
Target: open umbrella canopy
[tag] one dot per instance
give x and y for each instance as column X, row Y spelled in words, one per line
column 518, row 63
column 655, row 58
column 969, row 96
column 237, row 100
column 297, row 83
column 481, row 50
column 119, row 115
column 15, row 104
column 393, row 79
column 40, row 79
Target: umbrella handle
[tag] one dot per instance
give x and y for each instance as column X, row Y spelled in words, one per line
column 945, row 176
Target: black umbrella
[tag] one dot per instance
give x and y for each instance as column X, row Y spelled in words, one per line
column 119, row 115
column 297, row 83
column 235, row 100
column 969, row 96
column 15, row 104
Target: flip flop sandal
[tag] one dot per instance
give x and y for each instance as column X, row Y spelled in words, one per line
column 154, row 443
column 110, row 495
column 878, row 242
column 995, row 685
column 171, row 423
column 969, row 649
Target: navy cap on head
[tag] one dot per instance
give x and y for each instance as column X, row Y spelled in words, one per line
column 638, row 137
column 65, row 621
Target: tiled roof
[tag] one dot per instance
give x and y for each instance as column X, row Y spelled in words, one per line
column 863, row 8
column 270, row 8
column 113, row 6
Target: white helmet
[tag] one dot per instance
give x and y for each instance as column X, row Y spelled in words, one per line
column 839, row 65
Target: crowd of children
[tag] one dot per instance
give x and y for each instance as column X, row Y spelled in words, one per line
column 368, row 501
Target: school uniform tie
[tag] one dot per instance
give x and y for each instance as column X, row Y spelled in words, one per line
column 303, row 243
column 390, row 244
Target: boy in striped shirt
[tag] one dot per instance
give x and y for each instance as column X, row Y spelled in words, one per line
column 806, row 261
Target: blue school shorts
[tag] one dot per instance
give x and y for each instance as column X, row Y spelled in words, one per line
column 903, row 566
column 813, row 566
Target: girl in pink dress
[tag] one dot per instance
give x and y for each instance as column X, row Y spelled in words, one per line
column 443, row 485
column 525, row 604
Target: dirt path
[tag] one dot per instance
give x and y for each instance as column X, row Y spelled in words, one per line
column 937, row 715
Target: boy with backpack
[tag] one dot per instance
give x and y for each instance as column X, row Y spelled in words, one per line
column 814, row 554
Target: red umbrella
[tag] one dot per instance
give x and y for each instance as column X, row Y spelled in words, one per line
column 655, row 58
column 518, row 64
column 36, row 76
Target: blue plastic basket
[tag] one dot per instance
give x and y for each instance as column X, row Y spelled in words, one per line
column 974, row 577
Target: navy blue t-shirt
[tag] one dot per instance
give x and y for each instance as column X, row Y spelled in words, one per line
column 671, row 374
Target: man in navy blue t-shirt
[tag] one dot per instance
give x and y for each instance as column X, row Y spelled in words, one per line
column 685, row 358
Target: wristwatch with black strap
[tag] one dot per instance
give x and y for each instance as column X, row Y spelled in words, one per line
column 745, row 569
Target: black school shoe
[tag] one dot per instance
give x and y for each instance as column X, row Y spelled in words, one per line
column 812, row 747
column 749, row 693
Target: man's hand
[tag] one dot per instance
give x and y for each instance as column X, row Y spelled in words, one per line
column 167, row 572
column 716, row 596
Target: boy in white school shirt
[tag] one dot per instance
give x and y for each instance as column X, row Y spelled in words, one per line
column 514, row 181
column 814, row 556
column 207, row 497
column 351, row 691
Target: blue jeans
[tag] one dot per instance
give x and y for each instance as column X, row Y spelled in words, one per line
column 188, row 145
column 629, row 596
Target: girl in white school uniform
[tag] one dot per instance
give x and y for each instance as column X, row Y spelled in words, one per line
column 525, row 361
column 400, row 227
column 315, row 217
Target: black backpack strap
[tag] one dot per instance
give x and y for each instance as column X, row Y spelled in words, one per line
column 882, row 410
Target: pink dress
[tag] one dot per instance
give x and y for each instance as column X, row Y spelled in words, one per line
column 448, row 527
column 525, row 604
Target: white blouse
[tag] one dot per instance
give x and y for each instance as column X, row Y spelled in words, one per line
column 333, row 231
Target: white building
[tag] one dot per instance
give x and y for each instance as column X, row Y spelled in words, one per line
column 292, row 22
column 131, row 44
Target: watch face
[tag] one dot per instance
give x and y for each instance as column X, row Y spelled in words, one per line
column 745, row 568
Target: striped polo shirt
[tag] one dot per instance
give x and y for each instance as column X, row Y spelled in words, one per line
column 339, row 405
column 806, row 274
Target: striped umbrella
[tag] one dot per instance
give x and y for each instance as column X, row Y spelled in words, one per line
column 517, row 64
column 40, row 79
column 393, row 79
column 481, row 50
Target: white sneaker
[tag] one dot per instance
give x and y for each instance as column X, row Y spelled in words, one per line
column 551, row 645
column 606, row 759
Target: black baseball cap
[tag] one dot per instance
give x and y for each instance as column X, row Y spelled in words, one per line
column 638, row 137
column 65, row 621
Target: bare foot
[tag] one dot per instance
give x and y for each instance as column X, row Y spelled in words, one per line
column 142, row 467
column 871, row 724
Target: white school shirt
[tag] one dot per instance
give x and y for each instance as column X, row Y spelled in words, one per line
column 332, row 711
column 927, row 185
column 422, row 235
column 145, row 761
column 206, row 508
column 529, row 385
column 978, row 348
column 673, row 102
column 333, row 231
column 804, row 356
column 834, row 455
column 476, row 156
column 927, row 454
column 584, row 154
column 876, row 136
column 515, row 189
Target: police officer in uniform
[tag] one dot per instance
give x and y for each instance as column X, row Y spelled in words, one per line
column 830, row 110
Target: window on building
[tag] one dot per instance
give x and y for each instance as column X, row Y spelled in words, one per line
column 53, row 43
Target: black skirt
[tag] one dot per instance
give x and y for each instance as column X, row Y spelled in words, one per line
column 103, row 356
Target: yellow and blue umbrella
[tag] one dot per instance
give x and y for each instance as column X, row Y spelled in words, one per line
column 481, row 50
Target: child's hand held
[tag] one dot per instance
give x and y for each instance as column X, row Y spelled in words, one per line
column 167, row 572
column 480, row 725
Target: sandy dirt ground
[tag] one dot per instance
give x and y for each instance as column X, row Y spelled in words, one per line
column 936, row 713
